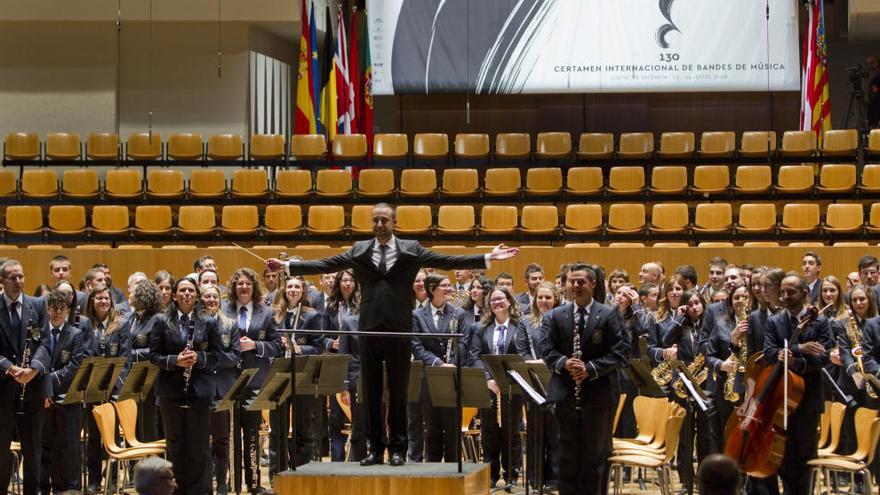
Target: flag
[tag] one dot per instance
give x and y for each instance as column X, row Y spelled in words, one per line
column 328, row 81
column 815, row 102
column 305, row 121
column 354, row 73
column 316, row 76
column 366, row 110
column 343, row 83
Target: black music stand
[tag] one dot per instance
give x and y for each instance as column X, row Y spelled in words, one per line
column 137, row 385
column 695, row 395
column 639, row 371
column 321, row 376
column 457, row 387
column 538, row 403
column 92, row 384
column 499, row 364
column 275, row 396
column 237, row 394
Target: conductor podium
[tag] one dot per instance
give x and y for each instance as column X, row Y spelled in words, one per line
column 413, row 478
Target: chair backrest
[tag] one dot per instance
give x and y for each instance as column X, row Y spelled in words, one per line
column 266, row 146
column 837, row 176
column 502, row 181
column 539, row 218
column 308, row 146
column 471, row 145
column 102, row 146
column 413, row 219
column 677, row 143
column 757, row 215
column 626, row 216
column 333, row 182
column 326, row 218
column 165, row 182
column 207, row 183
column 418, row 182
column 293, row 183
column 621, row 400
column 670, row 216
column 8, row 182
column 376, row 182
column 39, row 183
column 513, row 145
column 553, row 144
column 153, row 218
column 240, row 218
column 718, row 143
column 795, row 178
column 844, row 216
column 185, row 146
column 349, row 146
column 110, row 218
column 873, row 147
column 713, row 216
column 80, row 183
column 755, row 143
column 753, row 178
column 144, row 146
column 626, row 180
column 63, row 146
column 430, row 145
column 250, row 182
column 711, row 179
column 126, row 412
column 840, row 141
column 196, row 218
column 870, row 180
column 584, row 180
column 584, row 217
column 390, row 146
column 456, row 218
column 67, row 219
column 596, row 143
column 22, row 146
column 498, row 219
column 362, row 219
column 668, row 179
column 123, row 183
column 283, row 218
column 636, row 144
column 798, row 143
column 864, row 420
column 673, row 427
column 800, row 215
column 24, row 219
column 460, row 181
column 105, row 419
column 544, row 180
column 225, row 147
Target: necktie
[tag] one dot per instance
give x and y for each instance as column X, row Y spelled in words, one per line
column 291, row 319
column 501, row 339
column 582, row 320
column 14, row 317
column 184, row 327
column 242, row 319
column 383, row 263
column 55, row 332
column 438, row 315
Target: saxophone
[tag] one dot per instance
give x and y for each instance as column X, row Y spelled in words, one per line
column 697, row 369
column 32, row 337
column 855, row 338
column 187, row 372
column 730, row 393
column 662, row 373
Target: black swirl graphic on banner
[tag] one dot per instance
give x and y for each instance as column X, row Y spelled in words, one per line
column 666, row 10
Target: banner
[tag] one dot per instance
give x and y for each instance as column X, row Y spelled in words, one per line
column 583, row 46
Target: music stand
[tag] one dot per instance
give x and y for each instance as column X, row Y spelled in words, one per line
column 322, row 375
column 274, row 395
column 137, row 385
column 698, row 397
column 498, row 365
column 237, row 393
column 534, row 386
column 92, row 384
column 639, row 370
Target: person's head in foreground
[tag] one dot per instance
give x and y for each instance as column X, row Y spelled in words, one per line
column 153, row 476
column 718, row 475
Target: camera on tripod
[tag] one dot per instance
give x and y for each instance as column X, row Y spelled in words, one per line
column 856, row 74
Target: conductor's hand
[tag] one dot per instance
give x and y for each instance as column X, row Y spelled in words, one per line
column 493, row 386
column 275, row 265
column 186, row 358
column 577, row 369
column 247, row 344
column 499, row 252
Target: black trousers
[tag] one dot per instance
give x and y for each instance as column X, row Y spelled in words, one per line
column 584, row 447
column 336, row 423
column 440, row 426
column 799, row 448
column 94, row 449
column 301, row 448
column 30, row 429
column 395, row 354
column 220, row 445
column 188, row 443
column 148, row 422
column 61, row 459
column 415, row 432
column 494, row 439
column 250, row 431
column 358, row 430
column 551, row 445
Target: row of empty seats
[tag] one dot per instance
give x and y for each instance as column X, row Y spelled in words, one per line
column 211, row 183
column 675, row 219
column 20, row 146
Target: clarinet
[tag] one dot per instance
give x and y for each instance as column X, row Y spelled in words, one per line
column 291, row 350
column 30, row 338
column 576, row 354
column 453, row 326
column 187, row 372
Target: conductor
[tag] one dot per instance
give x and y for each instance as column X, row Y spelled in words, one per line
column 385, row 266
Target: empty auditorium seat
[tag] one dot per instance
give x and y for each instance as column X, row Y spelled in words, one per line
column 502, row 182
column 102, row 146
column 755, row 144
column 308, row 147
column 351, row 147
column 626, row 218
column 711, row 179
column 595, row 146
column 873, row 219
column 24, row 220
column 670, row 245
column 376, row 182
column 669, row 218
column 413, row 219
column 390, row 147
column 553, row 145
column 8, row 183
column 873, row 147
column 539, row 219
column 759, row 244
column 757, row 218
column 239, row 219
column 583, row 181
column 840, row 142
column 144, row 146
column 676, row 145
column 844, row 218
column 636, row 145
column 713, row 218
column 851, row 244
column 626, row 244
column 123, row 183
column 293, row 184
column 800, row 218
column 806, row 244
column 717, row 144
column 544, row 181
column 333, row 183
column 668, row 179
column 63, row 146
column 460, row 182
column 361, row 219
column 225, row 147
column 582, row 245
column 837, row 178
column 870, row 182
column 196, row 220
column 326, row 219
column 81, row 183
column 753, row 179
column 471, row 146
column 67, row 219
column 456, row 220
column 165, row 183
column 152, row 220
column 626, row 180
column 207, row 183
column 110, row 220
column 418, row 182
column 266, row 147
column 39, row 183
column 250, row 183
column 583, row 219
column 282, row 219
column 795, row 179
column 497, row 219
column 798, row 143
column 22, row 146
column 185, row 146
column 430, row 146
column 513, row 146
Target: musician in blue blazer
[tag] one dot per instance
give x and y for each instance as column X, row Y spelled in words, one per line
column 186, row 343
column 585, row 412
column 146, row 304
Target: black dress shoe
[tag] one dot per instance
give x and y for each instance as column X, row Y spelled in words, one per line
column 371, row 459
column 397, row 460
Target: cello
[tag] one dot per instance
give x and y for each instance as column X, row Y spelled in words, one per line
column 755, row 434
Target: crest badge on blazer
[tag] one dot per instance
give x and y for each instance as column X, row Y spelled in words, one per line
column 114, row 348
column 597, row 337
column 65, row 357
column 226, row 339
column 204, row 345
column 261, row 335
column 141, row 340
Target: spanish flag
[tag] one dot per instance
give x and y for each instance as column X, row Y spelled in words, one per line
column 305, row 120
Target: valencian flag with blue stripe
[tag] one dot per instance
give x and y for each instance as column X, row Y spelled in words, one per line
column 815, row 100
